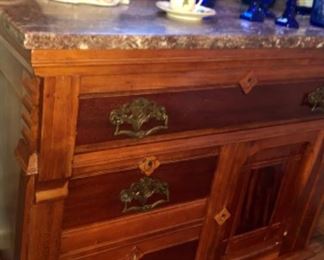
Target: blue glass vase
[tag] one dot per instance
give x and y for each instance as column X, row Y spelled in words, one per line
column 288, row 19
column 317, row 16
column 254, row 13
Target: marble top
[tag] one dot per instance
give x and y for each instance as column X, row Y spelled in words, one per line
column 46, row 24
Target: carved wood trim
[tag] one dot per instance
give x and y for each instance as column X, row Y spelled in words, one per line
column 31, row 113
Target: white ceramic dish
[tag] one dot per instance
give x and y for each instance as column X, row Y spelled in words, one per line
column 197, row 15
column 95, row 2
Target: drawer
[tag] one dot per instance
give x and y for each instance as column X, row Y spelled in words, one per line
column 140, row 234
column 99, row 198
column 105, row 119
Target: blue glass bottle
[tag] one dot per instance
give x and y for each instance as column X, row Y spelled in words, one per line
column 304, row 7
column 209, row 3
column 317, row 17
column 288, row 18
column 254, row 13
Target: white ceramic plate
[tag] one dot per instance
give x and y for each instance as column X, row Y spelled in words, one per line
column 198, row 14
column 95, row 2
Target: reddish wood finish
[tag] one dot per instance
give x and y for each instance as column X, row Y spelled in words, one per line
column 185, row 251
column 60, row 105
column 214, row 108
column 188, row 180
column 241, row 141
column 263, row 211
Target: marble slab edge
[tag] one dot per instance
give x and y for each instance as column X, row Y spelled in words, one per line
column 47, row 40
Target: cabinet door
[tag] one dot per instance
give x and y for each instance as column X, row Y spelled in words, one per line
column 259, row 197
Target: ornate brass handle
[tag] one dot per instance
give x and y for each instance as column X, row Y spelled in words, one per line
column 140, row 192
column 316, row 99
column 136, row 114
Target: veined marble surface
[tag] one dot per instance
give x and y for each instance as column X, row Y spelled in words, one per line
column 46, row 24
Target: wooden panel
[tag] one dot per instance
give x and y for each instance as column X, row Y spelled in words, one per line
column 205, row 109
column 44, row 231
column 60, row 105
column 231, row 159
column 185, row 251
column 303, row 188
column 100, row 160
column 260, row 198
column 187, row 180
column 254, row 243
column 132, row 229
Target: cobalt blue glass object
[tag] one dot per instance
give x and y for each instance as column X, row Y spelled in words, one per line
column 209, row 3
column 266, row 4
column 304, row 7
column 317, row 17
column 254, row 12
column 288, row 19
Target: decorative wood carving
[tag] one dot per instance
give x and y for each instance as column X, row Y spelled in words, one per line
column 31, row 114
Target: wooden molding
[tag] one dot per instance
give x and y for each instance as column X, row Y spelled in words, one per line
column 116, row 233
column 108, row 160
column 31, row 112
column 58, row 130
column 52, row 194
column 27, row 161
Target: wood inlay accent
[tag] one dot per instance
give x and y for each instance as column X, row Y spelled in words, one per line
column 249, row 82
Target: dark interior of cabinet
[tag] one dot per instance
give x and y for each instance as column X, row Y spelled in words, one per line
column 260, row 198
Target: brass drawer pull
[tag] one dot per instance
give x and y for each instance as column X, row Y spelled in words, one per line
column 316, row 99
column 136, row 114
column 141, row 191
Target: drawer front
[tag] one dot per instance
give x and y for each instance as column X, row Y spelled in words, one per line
column 104, row 119
column 102, row 197
column 142, row 235
column 185, row 251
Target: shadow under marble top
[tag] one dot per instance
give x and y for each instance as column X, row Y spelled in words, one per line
column 44, row 24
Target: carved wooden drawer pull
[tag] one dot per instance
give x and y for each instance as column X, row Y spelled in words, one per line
column 222, row 216
column 316, row 99
column 137, row 113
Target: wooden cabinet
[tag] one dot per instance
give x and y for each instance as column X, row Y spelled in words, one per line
column 268, row 187
column 166, row 154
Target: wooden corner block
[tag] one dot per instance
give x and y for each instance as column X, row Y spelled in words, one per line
column 53, row 193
